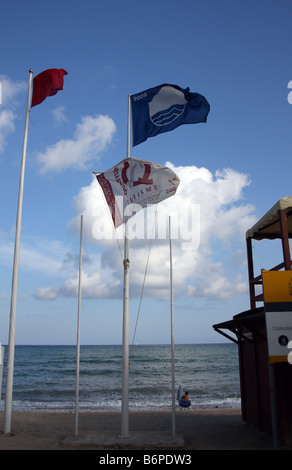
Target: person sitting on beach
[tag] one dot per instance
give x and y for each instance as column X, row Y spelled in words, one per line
column 184, row 401
column 185, row 396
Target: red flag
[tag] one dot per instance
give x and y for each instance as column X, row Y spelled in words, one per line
column 47, row 83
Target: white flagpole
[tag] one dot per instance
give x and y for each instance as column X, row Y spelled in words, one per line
column 1, row 367
column 128, row 126
column 125, row 373
column 172, row 334
column 11, row 344
column 78, row 331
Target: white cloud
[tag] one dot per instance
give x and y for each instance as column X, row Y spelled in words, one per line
column 93, row 287
column 208, row 214
column 7, row 118
column 214, row 283
column 36, row 255
column 204, row 265
column 59, row 114
column 91, row 137
column 9, row 93
column 10, row 90
column 46, row 293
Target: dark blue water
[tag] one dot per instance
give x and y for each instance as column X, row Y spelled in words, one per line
column 45, row 376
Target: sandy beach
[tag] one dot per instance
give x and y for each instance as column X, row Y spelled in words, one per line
column 214, row 429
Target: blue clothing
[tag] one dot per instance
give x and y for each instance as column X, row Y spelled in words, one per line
column 184, row 403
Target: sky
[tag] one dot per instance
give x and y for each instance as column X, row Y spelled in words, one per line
column 232, row 169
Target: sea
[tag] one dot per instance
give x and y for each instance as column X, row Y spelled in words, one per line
column 45, row 377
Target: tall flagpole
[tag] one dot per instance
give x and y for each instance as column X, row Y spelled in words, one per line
column 78, row 331
column 172, row 333
column 125, row 373
column 11, row 344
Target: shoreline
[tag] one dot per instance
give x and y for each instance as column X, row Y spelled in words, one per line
column 196, row 429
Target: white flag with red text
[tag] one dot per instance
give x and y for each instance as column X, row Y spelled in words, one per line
column 134, row 184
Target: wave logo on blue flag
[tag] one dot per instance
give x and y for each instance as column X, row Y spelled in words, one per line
column 163, row 108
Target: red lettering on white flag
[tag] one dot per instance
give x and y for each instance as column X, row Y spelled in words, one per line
column 139, row 182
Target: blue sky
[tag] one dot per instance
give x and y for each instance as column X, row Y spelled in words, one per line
column 232, row 169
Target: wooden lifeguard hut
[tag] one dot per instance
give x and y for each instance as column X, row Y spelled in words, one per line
column 266, row 380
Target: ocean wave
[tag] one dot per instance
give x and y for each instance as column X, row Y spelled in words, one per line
column 210, row 374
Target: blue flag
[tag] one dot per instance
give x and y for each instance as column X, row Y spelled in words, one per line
column 163, row 108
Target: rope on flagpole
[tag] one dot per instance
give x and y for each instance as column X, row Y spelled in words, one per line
column 144, row 281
